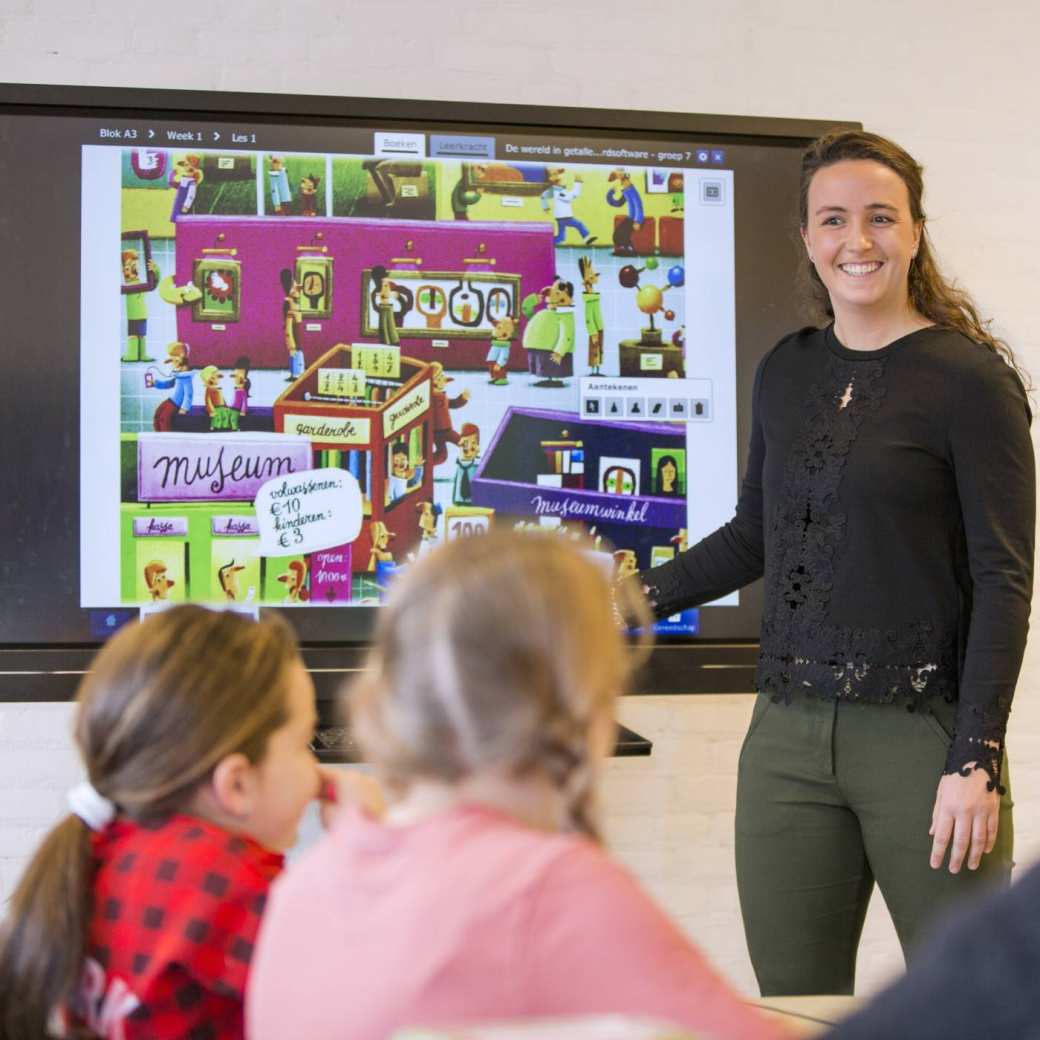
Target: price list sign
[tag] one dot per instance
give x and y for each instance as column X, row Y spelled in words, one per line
column 308, row 511
column 378, row 361
column 341, row 382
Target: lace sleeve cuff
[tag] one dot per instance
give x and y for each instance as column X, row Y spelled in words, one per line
column 664, row 589
column 978, row 739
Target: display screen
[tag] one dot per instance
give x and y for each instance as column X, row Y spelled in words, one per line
column 265, row 364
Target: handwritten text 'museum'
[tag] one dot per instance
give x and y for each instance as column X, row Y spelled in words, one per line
column 199, row 468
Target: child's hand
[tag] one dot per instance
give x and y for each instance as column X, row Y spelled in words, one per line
column 342, row 787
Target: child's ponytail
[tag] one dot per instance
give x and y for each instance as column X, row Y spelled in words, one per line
column 568, row 766
column 581, row 802
column 51, row 902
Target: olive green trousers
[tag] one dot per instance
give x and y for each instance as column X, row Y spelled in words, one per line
column 832, row 797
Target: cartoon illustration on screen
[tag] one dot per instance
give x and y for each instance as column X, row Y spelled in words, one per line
column 650, row 353
column 464, row 195
column 221, row 417
column 148, row 164
column 466, row 464
column 509, row 179
column 549, row 335
column 592, row 312
column 224, row 184
column 384, row 187
column 242, row 385
column 669, row 472
column 426, row 325
column 564, row 462
column 428, row 514
column 559, row 200
column 618, row 476
column 387, row 299
column 180, row 380
column 141, row 275
column 380, row 536
column 220, row 282
column 157, row 580
column 278, row 185
column 623, row 193
column 309, row 185
column 402, row 473
column 291, row 320
column 431, row 303
column 400, row 185
column 185, row 177
column 444, row 432
column 499, row 349
column 228, row 576
column 295, row 579
column 178, row 295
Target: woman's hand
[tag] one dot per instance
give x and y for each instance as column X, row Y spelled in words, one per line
column 964, row 819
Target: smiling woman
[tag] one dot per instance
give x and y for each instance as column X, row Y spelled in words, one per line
column 885, row 181
column 889, row 503
column 861, row 239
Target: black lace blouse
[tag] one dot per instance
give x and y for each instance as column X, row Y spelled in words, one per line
column 889, row 504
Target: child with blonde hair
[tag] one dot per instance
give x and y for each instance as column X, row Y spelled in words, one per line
column 484, row 893
column 137, row 916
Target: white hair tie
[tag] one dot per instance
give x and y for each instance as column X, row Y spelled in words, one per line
column 96, row 811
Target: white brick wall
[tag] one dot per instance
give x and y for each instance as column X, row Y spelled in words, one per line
column 954, row 82
column 37, row 765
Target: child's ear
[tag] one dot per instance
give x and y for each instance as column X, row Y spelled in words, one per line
column 233, row 785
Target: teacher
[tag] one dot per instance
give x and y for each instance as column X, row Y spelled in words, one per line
column 889, row 505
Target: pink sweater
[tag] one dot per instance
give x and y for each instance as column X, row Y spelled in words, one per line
column 470, row 916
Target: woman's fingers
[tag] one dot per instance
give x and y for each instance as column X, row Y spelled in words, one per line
column 992, row 824
column 962, row 826
column 935, row 813
column 971, row 840
column 979, row 839
column 942, row 831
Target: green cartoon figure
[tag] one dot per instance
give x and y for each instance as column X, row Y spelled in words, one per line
column 593, row 313
column 136, row 292
column 549, row 336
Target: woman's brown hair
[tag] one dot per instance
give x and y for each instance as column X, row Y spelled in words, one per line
column 164, row 702
column 931, row 294
column 497, row 651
